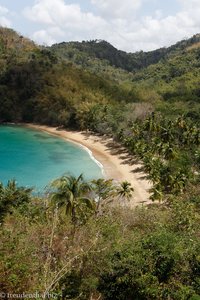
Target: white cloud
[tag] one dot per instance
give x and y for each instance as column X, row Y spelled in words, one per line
column 117, row 8
column 46, row 36
column 39, row 13
column 42, row 37
column 3, row 10
column 148, row 33
column 57, row 13
column 68, row 19
column 4, row 14
column 189, row 3
column 115, row 21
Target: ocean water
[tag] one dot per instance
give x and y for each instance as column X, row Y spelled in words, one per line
column 34, row 158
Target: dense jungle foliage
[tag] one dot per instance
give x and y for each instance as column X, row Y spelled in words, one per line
column 70, row 247
column 81, row 240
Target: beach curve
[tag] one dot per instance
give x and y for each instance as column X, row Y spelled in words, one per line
column 116, row 162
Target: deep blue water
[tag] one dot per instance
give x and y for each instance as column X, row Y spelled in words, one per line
column 34, row 158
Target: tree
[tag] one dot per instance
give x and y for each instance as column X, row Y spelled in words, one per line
column 125, row 190
column 168, row 151
column 157, row 193
column 12, row 196
column 104, row 191
column 72, row 193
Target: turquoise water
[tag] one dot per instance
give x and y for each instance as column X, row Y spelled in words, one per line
column 34, row 158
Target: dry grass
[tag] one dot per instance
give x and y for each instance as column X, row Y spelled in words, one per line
column 195, row 46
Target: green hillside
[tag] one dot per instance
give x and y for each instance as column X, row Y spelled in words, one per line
column 14, row 48
column 36, row 85
column 176, row 79
column 160, row 77
column 83, row 52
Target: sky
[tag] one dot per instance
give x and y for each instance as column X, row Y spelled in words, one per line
column 129, row 25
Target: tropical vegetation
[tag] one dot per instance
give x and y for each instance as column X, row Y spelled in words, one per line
column 81, row 240
column 103, row 251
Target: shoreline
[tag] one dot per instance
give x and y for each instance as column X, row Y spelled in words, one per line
column 113, row 159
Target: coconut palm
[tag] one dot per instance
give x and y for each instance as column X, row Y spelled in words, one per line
column 168, row 151
column 12, row 196
column 179, row 182
column 150, row 123
column 125, row 190
column 104, row 192
column 18, row 195
column 72, row 194
column 157, row 193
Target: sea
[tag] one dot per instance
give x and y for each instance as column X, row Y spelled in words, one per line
column 35, row 158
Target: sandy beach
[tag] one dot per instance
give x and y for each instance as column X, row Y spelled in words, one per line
column 116, row 162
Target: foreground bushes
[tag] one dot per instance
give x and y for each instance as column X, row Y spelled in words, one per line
column 146, row 253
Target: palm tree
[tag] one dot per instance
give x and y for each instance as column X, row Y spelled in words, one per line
column 179, row 182
column 12, row 196
column 104, row 191
column 168, row 151
column 18, row 195
column 125, row 190
column 72, row 193
column 157, row 193
column 150, row 123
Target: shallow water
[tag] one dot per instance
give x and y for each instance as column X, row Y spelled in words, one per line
column 35, row 158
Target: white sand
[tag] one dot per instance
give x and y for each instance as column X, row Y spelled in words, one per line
column 117, row 163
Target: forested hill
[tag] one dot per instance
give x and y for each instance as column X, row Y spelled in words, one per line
column 81, row 52
column 36, row 86
column 63, row 84
column 14, row 48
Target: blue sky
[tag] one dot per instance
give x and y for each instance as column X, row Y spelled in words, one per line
column 129, row 25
